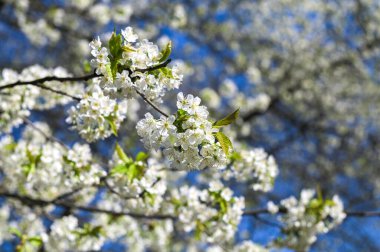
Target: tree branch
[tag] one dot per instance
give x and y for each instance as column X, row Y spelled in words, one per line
column 283, row 210
column 40, row 202
column 58, row 202
column 152, row 104
column 39, row 83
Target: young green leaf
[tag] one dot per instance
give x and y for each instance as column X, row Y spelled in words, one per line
column 87, row 66
column 181, row 117
column 224, row 141
column 134, row 171
column 121, row 154
column 128, row 48
column 119, row 169
column 115, row 45
column 165, row 53
column 112, row 125
column 141, row 156
column 116, row 50
column 36, row 241
column 235, row 156
column 227, row 120
column 15, row 232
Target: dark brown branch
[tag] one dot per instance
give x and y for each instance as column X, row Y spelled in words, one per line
column 46, row 136
column 39, row 202
column 348, row 213
column 37, row 82
column 161, row 65
column 57, row 91
column 57, row 202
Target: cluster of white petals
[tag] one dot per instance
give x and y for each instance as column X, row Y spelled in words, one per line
column 40, row 168
column 66, row 235
column 136, row 58
column 136, row 185
column 212, row 214
column 129, row 200
column 4, row 218
column 307, row 217
column 123, row 74
column 17, row 102
column 140, row 236
column 187, row 137
column 97, row 116
column 254, row 166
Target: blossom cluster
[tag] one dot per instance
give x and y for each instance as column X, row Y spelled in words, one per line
column 16, row 103
column 254, row 166
column 188, row 138
column 137, row 184
column 97, row 116
column 212, row 214
column 307, row 217
column 67, row 235
column 133, row 59
column 36, row 166
column 127, row 68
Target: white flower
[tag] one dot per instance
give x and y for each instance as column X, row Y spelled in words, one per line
column 96, row 115
column 215, row 186
column 129, row 35
column 272, row 208
column 188, row 138
column 303, row 221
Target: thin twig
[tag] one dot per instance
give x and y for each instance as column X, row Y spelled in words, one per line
column 152, row 104
column 49, row 138
column 57, row 91
column 266, row 222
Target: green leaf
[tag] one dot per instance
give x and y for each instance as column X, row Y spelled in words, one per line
column 109, row 71
column 87, row 66
column 224, row 141
column 149, row 197
column 121, row 154
column 200, row 227
column 29, row 169
column 114, row 67
column 181, row 117
column 128, row 48
column 89, row 231
column 134, row 171
column 141, row 156
column 112, row 124
column 35, row 241
column 15, row 232
column 235, row 156
column 119, row 169
column 165, row 53
column 227, row 120
column 116, row 50
column 329, row 202
column 10, row 147
column 115, row 45
column 167, row 72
